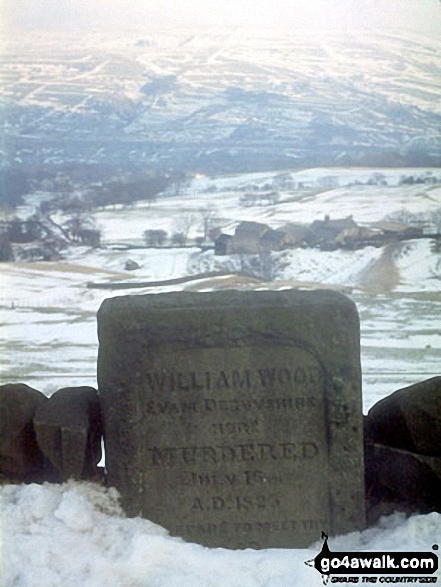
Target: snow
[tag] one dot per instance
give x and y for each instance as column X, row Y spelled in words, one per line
column 75, row 534
column 155, row 264
column 419, row 269
column 400, row 342
column 336, row 267
column 343, row 177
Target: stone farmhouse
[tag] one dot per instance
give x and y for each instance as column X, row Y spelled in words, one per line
column 253, row 238
column 247, row 237
column 327, row 230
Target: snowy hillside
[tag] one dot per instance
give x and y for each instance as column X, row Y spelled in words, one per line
column 396, row 288
column 229, row 99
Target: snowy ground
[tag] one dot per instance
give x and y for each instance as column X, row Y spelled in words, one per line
column 74, row 534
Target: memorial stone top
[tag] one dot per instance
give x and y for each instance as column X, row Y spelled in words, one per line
column 234, row 419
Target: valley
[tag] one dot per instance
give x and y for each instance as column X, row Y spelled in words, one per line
column 49, row 312
column 229, row 100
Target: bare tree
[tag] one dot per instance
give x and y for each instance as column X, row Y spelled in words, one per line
column 435, row 219
column 185, row 223
column 82, row 229
column 208, row 220
column 155, row 238
column 273, row 197
column 6, row 252
column 404, row 216
column 178, row 239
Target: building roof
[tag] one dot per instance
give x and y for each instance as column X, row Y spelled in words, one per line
column 299, row 231
column 273, row 237
column 395, row 227
column 251, row 229
column 329, row 229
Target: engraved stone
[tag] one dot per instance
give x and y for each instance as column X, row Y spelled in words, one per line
column 234, row 419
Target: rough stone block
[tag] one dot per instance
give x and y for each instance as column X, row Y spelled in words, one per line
column 69, row 431
column 234, row 419
column 398, row 480
column 20, row 457
column 409, row 418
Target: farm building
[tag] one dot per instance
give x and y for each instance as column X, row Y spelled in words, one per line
column 276, row 240
column 398, row 230
column 223, row 244
column 247, row 237
column 301, row 233
column 326, row 232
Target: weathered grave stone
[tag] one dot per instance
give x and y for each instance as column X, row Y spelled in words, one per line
column 234, row 419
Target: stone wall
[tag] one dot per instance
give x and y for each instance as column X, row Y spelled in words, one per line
column 53, row 439
column 402, row 443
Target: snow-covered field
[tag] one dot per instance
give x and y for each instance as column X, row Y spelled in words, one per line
column 399, row 321
column 74, row 534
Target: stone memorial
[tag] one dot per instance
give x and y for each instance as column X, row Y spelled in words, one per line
column 234, row 419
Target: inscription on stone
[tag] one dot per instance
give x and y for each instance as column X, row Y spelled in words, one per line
column 234, row 419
